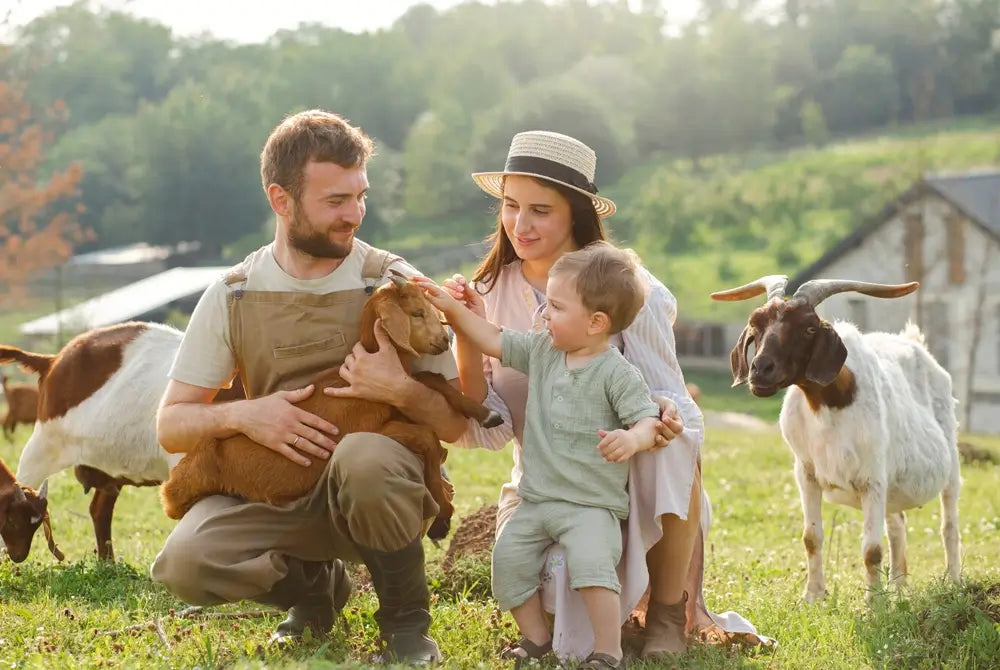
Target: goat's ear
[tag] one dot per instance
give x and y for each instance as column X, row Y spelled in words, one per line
column 828, row 356
column 738, row 357
column 396, row 324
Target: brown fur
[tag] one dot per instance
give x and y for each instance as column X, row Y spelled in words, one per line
column 238, row 466
column 22, row 511
column 22, row 405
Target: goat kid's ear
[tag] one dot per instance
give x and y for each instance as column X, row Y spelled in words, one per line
column 396, row 324
column 738, row 357
column 828, row 356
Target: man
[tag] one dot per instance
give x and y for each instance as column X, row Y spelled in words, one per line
column 290, row 309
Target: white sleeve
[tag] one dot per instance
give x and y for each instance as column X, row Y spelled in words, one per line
column 205, row 357
column 649, row 345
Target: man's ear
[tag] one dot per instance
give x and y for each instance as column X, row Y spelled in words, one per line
column 280, row 200
column 599, row 323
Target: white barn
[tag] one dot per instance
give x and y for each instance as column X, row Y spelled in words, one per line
column 945, row 233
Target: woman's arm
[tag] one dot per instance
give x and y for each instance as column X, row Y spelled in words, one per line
column 649, row 345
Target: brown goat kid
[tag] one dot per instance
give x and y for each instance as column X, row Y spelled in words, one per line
column 22, row 511
column 238, row 466
column 22, row 405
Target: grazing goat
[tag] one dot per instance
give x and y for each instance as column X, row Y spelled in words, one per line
column 22, row 405
column 870, row 418
column 238, row 466
column 97, row 413
column 22, row 511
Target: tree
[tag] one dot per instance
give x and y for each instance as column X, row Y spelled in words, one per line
column 38, row 227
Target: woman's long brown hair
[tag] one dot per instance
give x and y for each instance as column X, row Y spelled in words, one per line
column 587, row 227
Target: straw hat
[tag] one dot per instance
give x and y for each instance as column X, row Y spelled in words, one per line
column 553, row 157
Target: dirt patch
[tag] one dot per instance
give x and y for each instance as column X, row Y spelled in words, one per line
column 971, row 454
column 474, row 536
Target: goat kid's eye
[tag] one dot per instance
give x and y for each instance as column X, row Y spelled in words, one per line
column 419, row 314
column 811, row 330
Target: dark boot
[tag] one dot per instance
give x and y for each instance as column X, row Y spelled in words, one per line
column 314, row 593
column 404, row 615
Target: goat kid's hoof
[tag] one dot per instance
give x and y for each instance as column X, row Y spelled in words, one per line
column 813, row 596
column 492, row 420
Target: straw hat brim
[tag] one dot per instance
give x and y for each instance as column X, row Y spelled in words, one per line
column 492, row 183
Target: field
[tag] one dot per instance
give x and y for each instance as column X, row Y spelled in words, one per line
column 59, row 615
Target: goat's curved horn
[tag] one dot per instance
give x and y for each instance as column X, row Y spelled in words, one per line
column 816, row 291
column 43, row 492
column 19, row 496
column 773, row 285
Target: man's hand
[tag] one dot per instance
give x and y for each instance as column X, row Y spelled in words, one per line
column 275, row 422
column 618, row 445
column 376, row 376
column 670, row 425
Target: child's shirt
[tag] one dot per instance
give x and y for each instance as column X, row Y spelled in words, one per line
column 565, row 409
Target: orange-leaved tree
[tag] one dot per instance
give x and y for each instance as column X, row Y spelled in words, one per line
column 38, row 226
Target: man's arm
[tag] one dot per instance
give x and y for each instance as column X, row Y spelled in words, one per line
column 187, row 417
column 379, row 376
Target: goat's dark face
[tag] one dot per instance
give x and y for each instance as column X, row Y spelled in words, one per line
column 20, row 517
column 792, row 345
column 413, row 323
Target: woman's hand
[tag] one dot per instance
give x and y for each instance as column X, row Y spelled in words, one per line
column 462, row 291
column 437, row 296
column 670, row 425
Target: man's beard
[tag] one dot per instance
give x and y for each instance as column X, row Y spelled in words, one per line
column 305, row 238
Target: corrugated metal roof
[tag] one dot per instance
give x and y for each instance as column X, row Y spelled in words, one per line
column 127, row 302
column 140, row 252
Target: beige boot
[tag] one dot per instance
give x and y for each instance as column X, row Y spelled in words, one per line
column 665, row 628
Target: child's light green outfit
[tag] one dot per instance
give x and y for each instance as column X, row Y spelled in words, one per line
column 569, row 493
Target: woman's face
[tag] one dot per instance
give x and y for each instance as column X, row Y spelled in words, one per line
column 537, row 219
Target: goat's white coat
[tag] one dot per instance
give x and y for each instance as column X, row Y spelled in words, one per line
column 893, row 448
column 113, row 430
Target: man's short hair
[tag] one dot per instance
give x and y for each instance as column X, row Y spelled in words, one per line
column 313, row 135
column 607, row 280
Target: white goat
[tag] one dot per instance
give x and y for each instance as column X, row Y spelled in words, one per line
column 870, row 418
column 97, row 413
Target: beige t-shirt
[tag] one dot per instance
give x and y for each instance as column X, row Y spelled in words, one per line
column 206, row 357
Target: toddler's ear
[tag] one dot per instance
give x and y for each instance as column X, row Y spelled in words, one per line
column 599, row 323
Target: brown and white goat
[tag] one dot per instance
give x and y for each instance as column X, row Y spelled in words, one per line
column 870, row 418
column 238, row 466
column 97, row 401
column 22, row 511
column 22, row 405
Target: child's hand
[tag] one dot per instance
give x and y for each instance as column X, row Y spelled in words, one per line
column 617, row 445
column 462, row 291
column 437, row 296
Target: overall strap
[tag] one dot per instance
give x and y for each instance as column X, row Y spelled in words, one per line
column 376, row 264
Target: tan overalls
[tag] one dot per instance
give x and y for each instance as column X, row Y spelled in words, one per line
column 372, row 494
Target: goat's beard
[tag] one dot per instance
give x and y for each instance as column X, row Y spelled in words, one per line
column 302, row 235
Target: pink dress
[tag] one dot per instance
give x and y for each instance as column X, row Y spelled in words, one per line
column 660, row 480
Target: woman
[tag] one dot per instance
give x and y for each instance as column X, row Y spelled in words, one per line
column 549, row 206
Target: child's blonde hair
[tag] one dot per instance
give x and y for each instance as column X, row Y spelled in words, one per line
column 607, row 280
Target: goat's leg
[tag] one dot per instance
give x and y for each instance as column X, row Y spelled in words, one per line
column 811, row 496
column 458, row 401
column 949, row 527
column 102, row 511
column 895, row 523
column 872, row 529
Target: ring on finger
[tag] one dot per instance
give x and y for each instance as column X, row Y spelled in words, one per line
column 296, row 440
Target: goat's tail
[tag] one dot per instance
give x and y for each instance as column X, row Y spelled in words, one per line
column 38, row 363
column 911, row 331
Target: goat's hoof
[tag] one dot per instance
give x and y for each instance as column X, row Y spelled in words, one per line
column 492, row 420
column 812, row 596
column 439, row 529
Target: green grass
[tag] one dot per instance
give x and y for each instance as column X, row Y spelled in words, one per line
column 54, row 615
